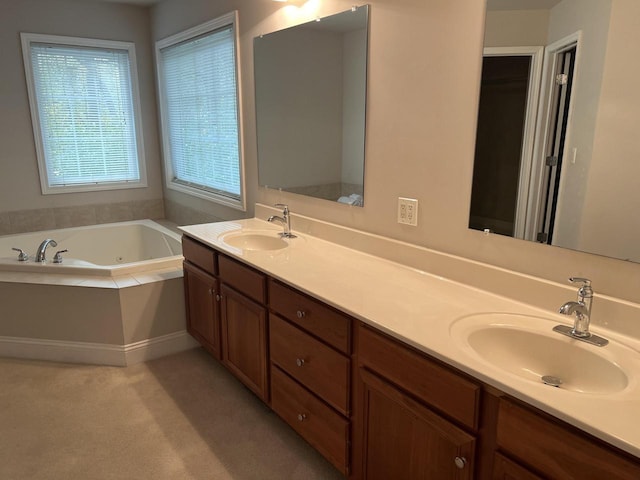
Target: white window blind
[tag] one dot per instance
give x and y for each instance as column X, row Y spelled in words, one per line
column 200, row 115
column 86, row 114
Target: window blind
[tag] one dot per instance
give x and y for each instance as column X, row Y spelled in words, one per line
column 86, row 114
column 201, row 113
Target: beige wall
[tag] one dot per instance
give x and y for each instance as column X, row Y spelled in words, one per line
column 613, row 200
column 424, row 73
column 20, row 182
column 301, row 150
column 591, row 19
column 423, row 89
column 516, row 28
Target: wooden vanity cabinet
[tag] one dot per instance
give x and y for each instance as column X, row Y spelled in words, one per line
column 375, row 407
column 415, row 419
column 539, row 443
column 203, row 312
column 310, row 348
column 244, row 324
column 202, row 293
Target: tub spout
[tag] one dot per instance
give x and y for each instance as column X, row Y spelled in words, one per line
column 42, row 249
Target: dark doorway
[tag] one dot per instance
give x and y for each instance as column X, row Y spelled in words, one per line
column 498, row 155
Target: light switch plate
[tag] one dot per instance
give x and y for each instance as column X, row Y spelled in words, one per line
column 408, row 211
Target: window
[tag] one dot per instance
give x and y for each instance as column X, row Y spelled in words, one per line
column 199, row 98
column 85, row 113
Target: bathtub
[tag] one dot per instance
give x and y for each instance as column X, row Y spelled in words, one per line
column 107, row 250
column 116, row 299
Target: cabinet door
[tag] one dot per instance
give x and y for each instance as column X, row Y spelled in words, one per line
column 203, row 319
column 244, row 340
column 402, row 439
column 505, row 469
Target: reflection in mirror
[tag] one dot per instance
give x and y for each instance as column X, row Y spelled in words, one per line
column 310, row 107
column 557, row 148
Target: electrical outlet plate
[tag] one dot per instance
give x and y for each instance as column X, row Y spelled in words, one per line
column 408, row 211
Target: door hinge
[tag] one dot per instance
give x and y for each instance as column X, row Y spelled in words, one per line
column 542, row 237
column 562, row 79
column 551, row 161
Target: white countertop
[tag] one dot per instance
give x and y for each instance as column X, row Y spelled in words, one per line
column 420, row 309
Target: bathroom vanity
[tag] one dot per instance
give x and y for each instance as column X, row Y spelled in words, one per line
column 373, row 382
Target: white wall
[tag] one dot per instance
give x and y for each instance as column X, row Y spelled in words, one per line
column 20, row 181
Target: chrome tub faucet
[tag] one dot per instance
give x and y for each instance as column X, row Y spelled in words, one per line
column 581, row 310
column 42, row 249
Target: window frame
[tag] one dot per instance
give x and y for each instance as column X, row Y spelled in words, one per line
column 27, row 39
column 227, row 20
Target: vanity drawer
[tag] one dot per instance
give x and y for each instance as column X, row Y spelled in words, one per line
column 312, row 363
column 200, row 255
column 323, row 428
column 555, row 450
column 245, row 279
column 311, row 315
column 437, row 386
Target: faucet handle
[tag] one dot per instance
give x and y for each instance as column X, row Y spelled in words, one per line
column 284, row 206
column 585, row 289
column 57, row 258
column 22, row 256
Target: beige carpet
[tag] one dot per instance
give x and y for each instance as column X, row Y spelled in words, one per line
column 178, row 417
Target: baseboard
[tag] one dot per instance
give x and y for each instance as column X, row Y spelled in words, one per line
column 158, row 347
column 95, row 353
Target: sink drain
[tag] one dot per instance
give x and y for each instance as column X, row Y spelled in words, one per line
column 551, row 380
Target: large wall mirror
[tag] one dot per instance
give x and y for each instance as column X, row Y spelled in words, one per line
column 310, row 85
column 557, row 155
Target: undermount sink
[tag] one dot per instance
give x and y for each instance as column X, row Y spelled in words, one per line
column 255, row 241
column 527, row 347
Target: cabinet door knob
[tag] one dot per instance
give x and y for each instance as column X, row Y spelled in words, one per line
column 300, row 362
column 460, row 462
column 301, row 314
column 302, row 417
column 211, row 291
column 218, row 297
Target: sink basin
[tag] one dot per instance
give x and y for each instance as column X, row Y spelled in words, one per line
column 255, row 241
column 527, row 347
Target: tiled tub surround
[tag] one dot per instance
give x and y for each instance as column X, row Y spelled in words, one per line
column 419, row 308
column 35, row 220
column 102, row 316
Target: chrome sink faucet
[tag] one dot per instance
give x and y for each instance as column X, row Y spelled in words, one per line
column 285, row 220
column 42, row 249
column 581, row 310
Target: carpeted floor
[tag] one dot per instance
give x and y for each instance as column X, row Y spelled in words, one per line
column 177, row 417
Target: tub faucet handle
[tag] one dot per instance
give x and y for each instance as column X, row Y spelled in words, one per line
column 22, row 256
column 57, row 258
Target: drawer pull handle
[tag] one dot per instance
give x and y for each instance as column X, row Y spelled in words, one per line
column 460, row 462
column 302, row 417
column 301, row 314
column 300, row 362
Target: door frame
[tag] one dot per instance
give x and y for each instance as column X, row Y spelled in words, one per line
column 534, row 218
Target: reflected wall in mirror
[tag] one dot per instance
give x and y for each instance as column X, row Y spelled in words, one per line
column 557, row 149
column 310, row 85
